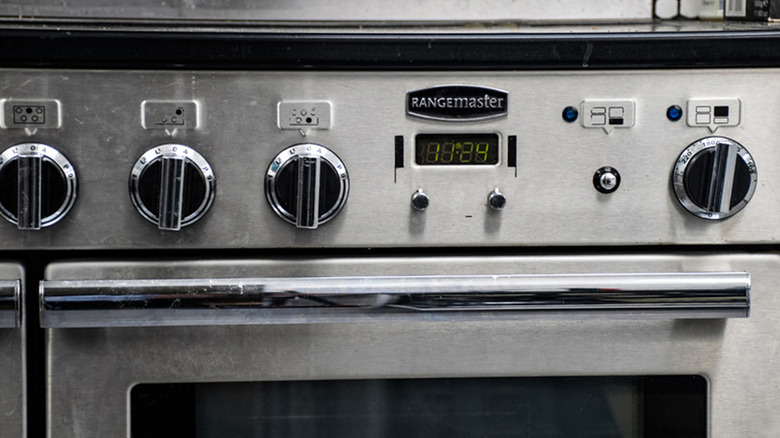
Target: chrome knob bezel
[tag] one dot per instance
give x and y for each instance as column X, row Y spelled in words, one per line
column 177, row 151
column 48, row 154
column 288, row 155
column 684, row 160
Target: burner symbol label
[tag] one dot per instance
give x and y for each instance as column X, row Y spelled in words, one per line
column 177, row 118
column 157, row 114
column 304, row 114
column 32, row 115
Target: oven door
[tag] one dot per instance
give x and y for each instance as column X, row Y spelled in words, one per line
column 13, row 399
column 547, row 345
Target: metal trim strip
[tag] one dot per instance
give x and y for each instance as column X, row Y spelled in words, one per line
column 249, row 301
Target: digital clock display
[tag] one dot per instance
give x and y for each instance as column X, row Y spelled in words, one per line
column 456, row 149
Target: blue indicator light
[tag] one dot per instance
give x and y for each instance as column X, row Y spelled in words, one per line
column 570, row 114
column 674, row 113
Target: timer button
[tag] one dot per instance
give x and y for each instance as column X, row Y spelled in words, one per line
column 496, row 199
column 420, row 200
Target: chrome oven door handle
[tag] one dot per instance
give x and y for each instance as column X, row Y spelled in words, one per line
column 234, row 301
column 10, row 304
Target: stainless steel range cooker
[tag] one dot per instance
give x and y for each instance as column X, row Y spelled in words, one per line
column 389, row 230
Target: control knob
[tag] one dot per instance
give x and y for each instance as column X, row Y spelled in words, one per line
column 307, row 185
column 714, row 178
column 172, row 186
column 606, row 180
column 37, row 185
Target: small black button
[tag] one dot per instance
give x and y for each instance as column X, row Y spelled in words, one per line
column 420, row 200
column 497, row 200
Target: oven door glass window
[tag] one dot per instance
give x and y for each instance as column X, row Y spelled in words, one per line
column 639, row 406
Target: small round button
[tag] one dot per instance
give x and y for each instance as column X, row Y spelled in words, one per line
column 606, row 179
column 420, row 200
column 496, row 199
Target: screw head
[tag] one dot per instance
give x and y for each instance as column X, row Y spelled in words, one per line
column 608, row 181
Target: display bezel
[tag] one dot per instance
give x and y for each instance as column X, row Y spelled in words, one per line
column 492, row 157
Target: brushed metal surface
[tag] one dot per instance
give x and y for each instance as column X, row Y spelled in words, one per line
column 682, row 27
column 550, row 200
column 739, row 357
column 329, row 10
column 13, row 395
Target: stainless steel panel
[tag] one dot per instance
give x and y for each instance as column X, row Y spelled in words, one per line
column 550, row 196
column 13, row 396
column 738, row 356
column 330, row 10
column 239, row 301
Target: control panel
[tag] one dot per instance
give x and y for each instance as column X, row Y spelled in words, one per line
column 115, row 159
